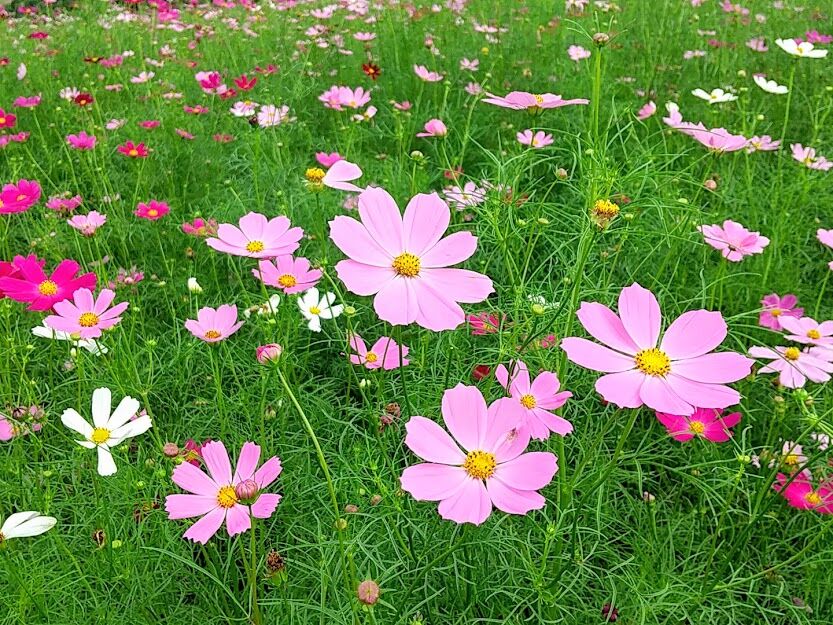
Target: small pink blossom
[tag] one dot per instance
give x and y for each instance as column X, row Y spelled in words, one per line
column 733, row 240
column 257, row 237
column 425, row 74
column 152, row 210
column 646, row 111
column 802, row 494
column 707, row 423
column 328, row 160
column 214, row 325
column 434, row 128
column 289, row 274
column 534, row 400
column 538, row 140
column 89, row 223
column 81, row 141
column 577, row 53
column 795, row 366
column 808, row 157
column 86, row 316
column 808, row 331
column 776, row 307
column 384, row 354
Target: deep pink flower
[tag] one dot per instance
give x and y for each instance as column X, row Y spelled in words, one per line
column 86, row 316
column 19, row 197
column 485, row 323
column 794, row 366
column 806, row 330
column 152, row 210
column 31, row 285
column 535, row 400
column 268, row 353
column 64, row 204
column 257, row 237
column 133, row 150
column 800, row 492
column 27, row 102
column 223, row 496
column 491, row 469
column 328, row 160
column 733, row 240
column 707, row 423
column 289, row 274
column 385, row 353
column 7, row 120
column 534, row 103
column 200, row 227
column 81, row 141
column 434, row 128
column 213, row 325
column 89, row 223
column 405, row 262
column 775, row 307
column 675, row 377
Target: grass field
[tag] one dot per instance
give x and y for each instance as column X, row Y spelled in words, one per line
column 155, row 115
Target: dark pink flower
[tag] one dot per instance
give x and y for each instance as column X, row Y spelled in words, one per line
column 32, row 286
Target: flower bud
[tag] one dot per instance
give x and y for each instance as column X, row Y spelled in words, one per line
column 268, row 353
column 601, row 39
column 171, row 450
column 368, row 592
column 194, row 286
column 247, row 489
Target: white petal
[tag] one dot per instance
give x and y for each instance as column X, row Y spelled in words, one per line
column 101, row 407
column 121, row 415
column 129, row 430
column 31, row 527
column 314, row 323
column 15, row 520
column 106, row 464
column 74, row 421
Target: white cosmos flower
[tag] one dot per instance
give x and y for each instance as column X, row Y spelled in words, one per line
column 715, row 96
column 107, row 430
column 804, row 49
column 316, row 307
column 25, row 524
column 269, row 307
column 92, row 346
column 194, row 286
column 770, row 86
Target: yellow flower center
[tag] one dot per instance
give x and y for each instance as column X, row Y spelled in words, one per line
column 812, row 498
column 314, row 310
column 100, row 436
column 697, row 427
column 528, row 402
column 212, row 334
column 606, row 208
column 792, row 353
column 255, row 246
column 2, row 120
column 791, row 459
column 653, row 362
column 314, row 175
column 480, row 464
column 88, row 320
column 226, row 497
column 47, row 287
column 538, row 98
column 371, row 357
column 287, row 281
column 776, row 312
column 134, row 152
column 153, row 212
column 406, row 264
column 813, row 334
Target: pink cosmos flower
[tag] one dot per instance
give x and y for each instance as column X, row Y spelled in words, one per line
column 425, row 74
column 89, row 223
column 385, row 353
column 257, row 237
column 806, row 330
column 31, row 285
column 64, row 204
column 825, row 237
column 534, row 400
column 19, row 197
column 213, row 325
column 7, row 120
column 328, row 160
column 646, row 111
column 757, row 44
column 152, row 210
column 353, row 98
column 485, row 323
column 775, row 307
column 81, row 141
column 405, row 262
column 223, row 496
column 27, row 102
column 809, row 158
column 577, row 53
column 289, row 274
column 794, row 366
column 490, row 469
column 133, row 150
column 268, row 353
column 764, row 143
column 86, row 316
column 200, row 227
column 705, row 423
column 800, row 492
column 733, row 240
column 538, row 140
column 718, row 139
column 339, row 175
column 533, row 103
column 434, row 128
column 675, row 377
column 466, row 196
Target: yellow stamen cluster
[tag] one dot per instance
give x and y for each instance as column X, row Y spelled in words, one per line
column 314, row 310
column 813, row 334
column 697, row 427
column 813, row 498
column 407, row 265
column 287, row 281
column 47, row 287
column 226, row 497
column 653, row 362
column 255, row 246
column 792, row 353
column 212, row 334
column 371, row 357
column 100, row 436
column 528, row 402
column 480, row 464
column 88, row 320
column 603, row 212
column 314, row 177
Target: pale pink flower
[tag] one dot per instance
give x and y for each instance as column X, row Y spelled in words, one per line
column 289, row 274
column 86, row 316
column 538, row 140
column 534, row 400
column 577, row 53
column 425, row 74
column 469, row 65
column 213, row 325
column 646, row 111
column 808, row 157
column 733, row 240
column 89, row 223
column 257, row 237
column 758, row 44
column 491, row 469
column 763, row 143
column 674, row 374
column 808, row 331
column 384, row 354
column 474, row 89
column 534, row 103
column 776, row 307
column 434, row 128
column 794, row 366
column 467, row 196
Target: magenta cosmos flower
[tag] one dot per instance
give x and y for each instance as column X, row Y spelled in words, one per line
column 213, row 325
column 433, row 128
column 19, row 197
column 152, row 210
column 405, row 261
column 32, row 286
column 534, row 400
column 384, row 354
column 775, row 307
column 679, row 375
column 800, row 492
column 793, row 366
column 490, row 469
column 289, row 274
column 223, row 496
column 707, row 423
column 81, row 141
column 733, row 240
column 86, row 316
column 532, row 102
column 808, row 331
column 257, row 237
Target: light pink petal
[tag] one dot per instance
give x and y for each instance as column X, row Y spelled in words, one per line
column 529, row 471
column 186, row 506
column 435, row 309
column 471, row 504
column 363, row 279
column 520, row 384
column 717, row 368
column 596, row 357
column 640, row 314
column 693, row 333
column 431, row 442
column 238, row 519
column 246, row 462
column 459, row 285
column 380, row 215
column 206, row 527
column 506, row 435
column 353, row 238
column 545, row 390
column 433, row 482
column 265, row 505
column 269, row 472
column 396, row 302
column 253, row 226
column 465, row 415
column 426, row 220
column 83, row 299
column 190, row 478
column 102, row 303
column 217, row 461
column 656, row 393
column 552, row 422
column 622, row 389
column 605, row 326
column 451, row 250
column 513, row 501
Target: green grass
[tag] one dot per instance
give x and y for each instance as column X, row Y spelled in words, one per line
column 715, row 546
